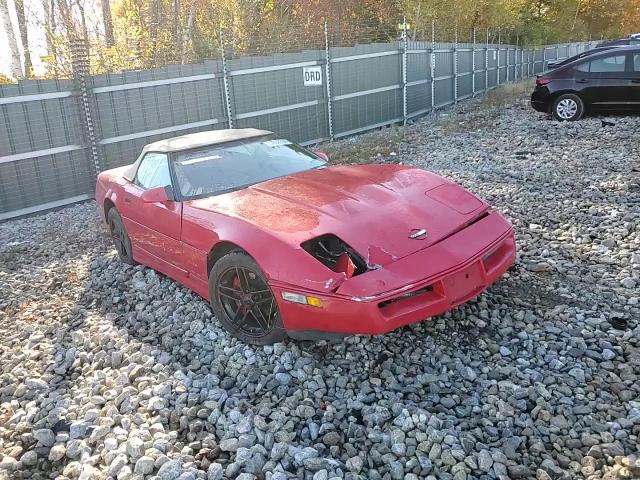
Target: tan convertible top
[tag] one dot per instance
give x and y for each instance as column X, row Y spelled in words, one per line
column 195, row 140
column 202, row 139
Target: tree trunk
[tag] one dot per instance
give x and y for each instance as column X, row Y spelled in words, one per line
column 16, row 70
column 83, row 22
column 156, row 15
column 67, row 19
column 187, row 33
column 49, row 29
column 176, row 23
column 107, row 22
column 22, row 28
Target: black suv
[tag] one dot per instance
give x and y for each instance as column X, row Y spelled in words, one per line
column 608, row 81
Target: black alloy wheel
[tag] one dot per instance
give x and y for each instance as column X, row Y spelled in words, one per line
column 120, row 238
column 243, row 302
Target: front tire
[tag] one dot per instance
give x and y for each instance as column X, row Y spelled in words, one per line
column 568, row 107
column 243, row 302
column 121, row 239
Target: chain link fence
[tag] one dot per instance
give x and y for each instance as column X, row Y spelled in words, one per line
column 323, row 83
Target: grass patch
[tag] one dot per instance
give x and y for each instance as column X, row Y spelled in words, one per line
column 506, row 94
column 484, row 113
column 368, row 148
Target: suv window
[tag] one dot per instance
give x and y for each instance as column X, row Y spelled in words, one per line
column 606, row 64
column 153, row 171
column 636, row 62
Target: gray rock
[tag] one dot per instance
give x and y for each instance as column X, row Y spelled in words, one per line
column 156, row 403
column 78, row 430
column 144, row 465
column 628, row 282
column 170, row 470
column 283, row 378
column 135, row 448
column 57, row 452
column 354, row 464
column 484, row 460
column 36, row 384
column 45, row 437
column 99, row 433
column 9, row 464
column 215, row 472
column 29, row 458
column 229, row 445
column 117, row 464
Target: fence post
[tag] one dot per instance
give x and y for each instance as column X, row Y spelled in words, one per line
column 473, row 63
column 327, row 70
column 225, row 81
column 433, row 65
column 404, row 70
column 507, row 59
column 486, row 63
column 498, row 65
column 81, row 76
column 455, row 67
column 516, row 54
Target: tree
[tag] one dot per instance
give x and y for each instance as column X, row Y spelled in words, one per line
column 631, row 20
column 14, row 53
column 49, row 34
column 107, row 23
column 24, row 38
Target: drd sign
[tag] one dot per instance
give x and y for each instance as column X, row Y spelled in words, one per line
column 312, row 76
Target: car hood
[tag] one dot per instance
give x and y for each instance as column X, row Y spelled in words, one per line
column 373, row 208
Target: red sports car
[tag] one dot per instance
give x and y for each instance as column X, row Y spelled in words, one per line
column 282, row 243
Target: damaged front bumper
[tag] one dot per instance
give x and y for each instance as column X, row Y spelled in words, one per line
column 424, row 284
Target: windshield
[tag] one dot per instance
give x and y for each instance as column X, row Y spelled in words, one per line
column 230, row 166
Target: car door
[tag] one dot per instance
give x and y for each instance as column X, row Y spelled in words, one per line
column 604, row 81
column 154, row 227
column 634, row 88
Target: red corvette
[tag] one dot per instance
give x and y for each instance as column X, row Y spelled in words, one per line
column 281, row 243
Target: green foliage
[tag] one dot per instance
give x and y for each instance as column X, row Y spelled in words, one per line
column 5, row 80
column 150, row 33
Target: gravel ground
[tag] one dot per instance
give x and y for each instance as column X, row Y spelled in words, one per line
column 110, row 371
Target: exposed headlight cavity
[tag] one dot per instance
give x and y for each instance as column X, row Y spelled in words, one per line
column 335, row 254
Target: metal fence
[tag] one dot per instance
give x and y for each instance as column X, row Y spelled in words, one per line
column 56, row 134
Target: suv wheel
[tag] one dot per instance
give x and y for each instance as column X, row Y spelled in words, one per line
column 568, row 107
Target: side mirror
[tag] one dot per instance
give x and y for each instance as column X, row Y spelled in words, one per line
column 157, row 195
column 322, row 155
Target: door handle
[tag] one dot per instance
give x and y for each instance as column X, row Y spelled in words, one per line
column 582, row 80
column 127, row 199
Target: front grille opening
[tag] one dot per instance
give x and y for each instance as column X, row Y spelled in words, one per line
column 328, row 250
column 416, row 293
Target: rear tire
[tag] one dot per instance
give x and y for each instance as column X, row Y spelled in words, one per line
column 121, row 240
column 568, row 107
column 243, row 302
